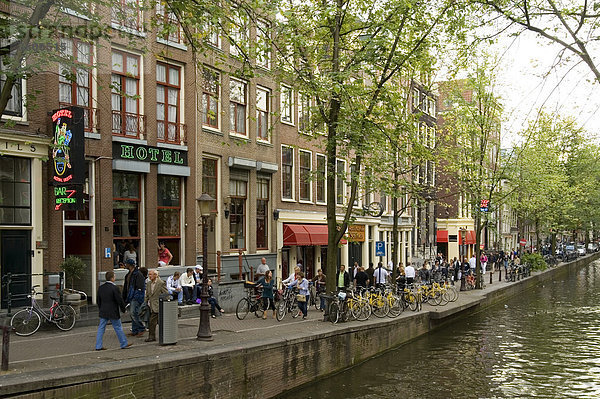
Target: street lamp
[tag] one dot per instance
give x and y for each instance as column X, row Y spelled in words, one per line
column 204, row 332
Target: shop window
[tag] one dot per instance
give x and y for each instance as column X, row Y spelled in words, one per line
column 15, row 190
column 237, row 210
column 262, row 212
column 168, row 211
column 126, row 212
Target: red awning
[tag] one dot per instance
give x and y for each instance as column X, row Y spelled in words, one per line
column 471, row 237
column 306, row 234
column 442, row 236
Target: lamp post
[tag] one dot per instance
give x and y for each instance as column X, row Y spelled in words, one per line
column 204, row 332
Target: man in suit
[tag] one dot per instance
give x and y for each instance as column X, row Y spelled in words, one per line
column 154, row 289
column 109, row 302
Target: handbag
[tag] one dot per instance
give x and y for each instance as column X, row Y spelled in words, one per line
column 301, row 298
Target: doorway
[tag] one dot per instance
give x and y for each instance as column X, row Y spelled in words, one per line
column 78, row 242
column 15, row 246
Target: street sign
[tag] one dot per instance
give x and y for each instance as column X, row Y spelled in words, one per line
column 484, row 206
column 379, row 248
column 523, row 242
column 107, row 252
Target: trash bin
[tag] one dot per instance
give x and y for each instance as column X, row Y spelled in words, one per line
column 167, row 320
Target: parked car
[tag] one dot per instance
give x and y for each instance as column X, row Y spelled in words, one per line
column 569, row 253
column 581, row 249
column 592, row 247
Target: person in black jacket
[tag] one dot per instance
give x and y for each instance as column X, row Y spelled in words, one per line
column 109, row 303
column 134, row 289
column 346, row 279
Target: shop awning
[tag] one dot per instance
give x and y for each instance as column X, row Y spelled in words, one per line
column 470, row 238
column 306, row 234
column 442, row 236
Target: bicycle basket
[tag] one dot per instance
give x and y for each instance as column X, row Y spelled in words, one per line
column 342, row 295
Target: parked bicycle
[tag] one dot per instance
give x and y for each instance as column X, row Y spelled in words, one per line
column 288, row 304
column 252, row 302
column 27, row 321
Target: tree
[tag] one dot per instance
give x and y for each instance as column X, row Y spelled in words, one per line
column 471, row 147
column 32, row 30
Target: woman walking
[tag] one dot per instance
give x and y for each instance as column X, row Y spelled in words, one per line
column 267, row 294
column 304, row 294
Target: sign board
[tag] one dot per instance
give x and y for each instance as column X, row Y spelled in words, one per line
column 379, row 248
column 107, row 252
column 146, row 153
column 68, row 198
column 481, row 246
column 523, row 242
column 68, row 146
column 484, row 206
column 356, row 233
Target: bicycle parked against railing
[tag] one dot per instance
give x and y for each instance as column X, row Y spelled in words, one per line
column 252, row 302
column 27, row 321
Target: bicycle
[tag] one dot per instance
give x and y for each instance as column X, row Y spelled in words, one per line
column 27, row 321
column 338, row 308
column 288, row 304
column 252, row 302
column 315, row 297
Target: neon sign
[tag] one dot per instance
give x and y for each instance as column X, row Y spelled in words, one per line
column 68, row 198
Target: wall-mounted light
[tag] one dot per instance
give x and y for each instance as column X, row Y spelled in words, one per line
column 275, row 215
column 226, row 213
column 226, row 210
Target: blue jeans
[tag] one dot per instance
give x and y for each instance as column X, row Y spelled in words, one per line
column 116, row 323
column 179, row 294
column 303, row 306
column 213, row 305
column 136, row 324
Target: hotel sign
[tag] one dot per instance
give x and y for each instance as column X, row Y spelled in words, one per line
column 145, row 153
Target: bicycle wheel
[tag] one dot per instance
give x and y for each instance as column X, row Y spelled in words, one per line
column 435, row 298
column 295, row 310
column 334, row 312
column 64, row 317
column 242, row 308
column 281, row 310
column 395, row 305
column 259, row 308
column 317, row 302
column 411, row 301
column 25, row 322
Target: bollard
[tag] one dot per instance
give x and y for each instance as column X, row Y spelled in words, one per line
column 463, row 283
column 491, row 276
column 218, row 266
column 500, row 275
column 251, row 273
column 9, row 295
column 5, row 345
column 240, row 263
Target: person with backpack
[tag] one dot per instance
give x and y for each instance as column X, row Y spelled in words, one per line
column 134, row 290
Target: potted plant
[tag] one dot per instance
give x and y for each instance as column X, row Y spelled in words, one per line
column 73, row 268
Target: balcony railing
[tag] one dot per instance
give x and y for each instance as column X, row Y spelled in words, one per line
column 128, row 125
column 90, row 117
column 172, row 133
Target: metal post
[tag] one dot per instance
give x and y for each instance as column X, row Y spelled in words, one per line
column 5, row 346
column 9, row 294
column 491, row 276
column 240, row 263
column 204, row 332
column 219, row 266
column 500, row 275
column 251, row 273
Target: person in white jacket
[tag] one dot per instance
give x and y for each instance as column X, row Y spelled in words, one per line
column 187, row 283
column 292, row 277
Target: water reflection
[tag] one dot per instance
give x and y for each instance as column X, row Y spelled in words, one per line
column 545, row 343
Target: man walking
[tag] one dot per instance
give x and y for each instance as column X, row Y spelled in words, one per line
column 380, row 275
column 154, row 289
column 133, row 293
column 109, row 303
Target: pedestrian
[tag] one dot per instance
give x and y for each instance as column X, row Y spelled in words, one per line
column 303, row 295
column 154, row 289
column 187, row 285
column 472, row 264
column 130, row 254
column 267, row 293
column 483, row 260
column 410, row 273
column 355, row 269
column 134, row 288
column 361, row 279
column 212, row 300
column 261, row 269
column 320, row 281
column 424, row 274
column 380, row 275
column 370, row 271
column 292, row 276
column 342, row 279
column 110, row 302
column 164, row 255
column 198, row 280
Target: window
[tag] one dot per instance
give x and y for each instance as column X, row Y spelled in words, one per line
column 14, row 107
column 367, row 187
column 287, row 104
column 210, row 178
column 237, row 209
column 128, row 15
column 287, row 172
column 75, row 83
column 212, row 35
column 168, row 212
column 303, row 113
column 432, row 107
column 262, row 212
column 340, row 184
column 353, row 175
column 383, row 200
column 263, row 45
column 15, row 190
column 125, row 85
column 239, row 33
column 167, row 103
column 126, row 210
column 85, row 213
column 305, row 169
column 321, row 181
column 263, row 100
column 169, row 29
column 237, row 106
column 416, row 99
column 210, row 98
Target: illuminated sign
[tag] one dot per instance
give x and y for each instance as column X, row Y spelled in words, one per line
column 68, row 146
column 484, row 206
column 145, row 153
column 68, row 198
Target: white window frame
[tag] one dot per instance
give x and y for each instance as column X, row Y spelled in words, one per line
column 317, row 201
column 293, row 177
column 283, row 105
column 310, row 183
column 231, row 131
column 239, row 32
column 268, row 110
column 219, row 102
column 263, row 32
column 344, row 185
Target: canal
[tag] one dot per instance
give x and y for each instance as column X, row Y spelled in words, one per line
column 543, row 343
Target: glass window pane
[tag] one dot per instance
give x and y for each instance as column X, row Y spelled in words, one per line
column 174, row 76
column 7, row 216
column 161, row 73
column 160, row 94
column 132, row 65
column 117, row 62
column 7, row 194
column 22, row 194
column 22, row 215
column 83, row 53
column 168, row 222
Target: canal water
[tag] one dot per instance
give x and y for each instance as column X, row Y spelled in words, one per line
column 543, row 343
